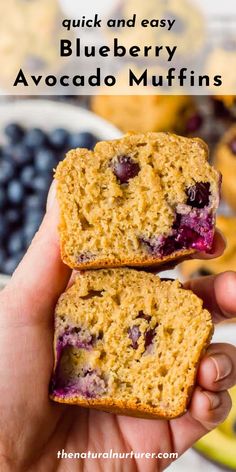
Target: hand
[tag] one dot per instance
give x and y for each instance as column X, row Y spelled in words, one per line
column 33, row 428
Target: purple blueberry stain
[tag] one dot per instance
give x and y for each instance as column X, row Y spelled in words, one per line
column 143, row 316
column 149, row 337
column 232, row 146
column 194, row 123
column 198, row 195
column 74, row 337
column 134, row 335
column 88, row 385
column 84, row 257
column 193, row 229
column 125, row 169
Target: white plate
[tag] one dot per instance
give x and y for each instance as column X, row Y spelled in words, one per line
column 48, row 114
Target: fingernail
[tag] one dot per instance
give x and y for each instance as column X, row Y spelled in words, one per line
column 51, row 195
column 223, row 366
column 214, row 400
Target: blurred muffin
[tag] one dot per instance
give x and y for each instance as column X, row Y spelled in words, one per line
column 143, row 113
column 197, row 268
column 225, row 160
column 29, row 35
column 223, row 58
column 188, row 28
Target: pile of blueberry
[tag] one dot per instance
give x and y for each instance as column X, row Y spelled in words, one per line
column 27, row 161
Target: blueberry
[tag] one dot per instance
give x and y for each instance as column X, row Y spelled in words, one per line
column 186, row 236
column 14, row 132
column 34, row 216
column 2, row 258
column 35, row 138
column 7, row 171
column 198, row 195
column 219, row 109
column 26, row 176
column 59, row 138
column 4, row 227
column 13, row 217
column 41, row 183
column 45, row 160
column 232, row 146
column 134, row 335
column 33, row 203
column 170, row 245
column 15, row 243
column 82, row 140
column 15, row 192
column 21, row 154
column 149, row 337
column 3, row 198
column 125, row 169
column 194, row 123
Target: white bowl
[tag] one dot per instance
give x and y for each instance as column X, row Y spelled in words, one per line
column 48, row 114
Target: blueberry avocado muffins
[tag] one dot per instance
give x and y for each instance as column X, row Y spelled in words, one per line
column 199, row 268
column 127, row 342
column 225, row 160
column 142, row 200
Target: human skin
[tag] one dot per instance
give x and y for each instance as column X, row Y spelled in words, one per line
column 33, row 428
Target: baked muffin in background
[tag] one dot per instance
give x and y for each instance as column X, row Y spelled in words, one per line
column 225, row 161
column 143, row 113
column 189, row 27
column 129, row 343
column 223, row 58
column 199, row 268
column 29, row 37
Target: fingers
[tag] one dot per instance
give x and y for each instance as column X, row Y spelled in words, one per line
column 218, row 247
column 210, row 408
column 218, row 294
column 206, row 411
column 217, row 370
column 41, row 276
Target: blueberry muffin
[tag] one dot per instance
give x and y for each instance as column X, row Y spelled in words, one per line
column 225, row 159
column 143, row 113
column 197, row 268
column 129, row 343
column 142, row 200
column 29, row 37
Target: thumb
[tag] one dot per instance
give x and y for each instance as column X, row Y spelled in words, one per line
column 41, row 276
